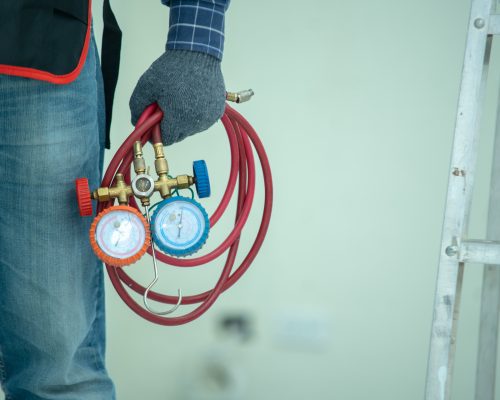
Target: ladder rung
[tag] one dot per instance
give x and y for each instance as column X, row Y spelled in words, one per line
column 480, row 251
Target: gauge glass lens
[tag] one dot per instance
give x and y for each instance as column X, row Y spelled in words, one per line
column 120, row 234
column 143, row 184
column 179, row 225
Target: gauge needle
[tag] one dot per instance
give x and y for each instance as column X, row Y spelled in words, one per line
column 120, row 233
column 180, row 226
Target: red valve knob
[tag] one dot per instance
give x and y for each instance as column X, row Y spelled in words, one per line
column 83, row 197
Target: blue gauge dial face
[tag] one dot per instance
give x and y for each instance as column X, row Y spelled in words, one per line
column 180, row 226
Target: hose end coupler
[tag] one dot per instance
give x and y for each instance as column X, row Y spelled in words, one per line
column 240, row 97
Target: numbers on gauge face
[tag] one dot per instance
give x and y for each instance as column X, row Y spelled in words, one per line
column 180, row 226
column 120, row 234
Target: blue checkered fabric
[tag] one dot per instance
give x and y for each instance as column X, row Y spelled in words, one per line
column 197, row 25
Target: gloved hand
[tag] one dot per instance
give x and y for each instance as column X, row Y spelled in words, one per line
column 189, row 88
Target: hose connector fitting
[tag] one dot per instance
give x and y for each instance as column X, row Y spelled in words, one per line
column 139, row 163
column 239, row 97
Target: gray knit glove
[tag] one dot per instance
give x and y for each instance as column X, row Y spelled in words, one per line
column 189, row 88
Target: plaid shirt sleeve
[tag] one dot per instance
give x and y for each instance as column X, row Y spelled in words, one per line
column 197, row 25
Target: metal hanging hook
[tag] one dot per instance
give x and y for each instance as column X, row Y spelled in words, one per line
column 146, row 292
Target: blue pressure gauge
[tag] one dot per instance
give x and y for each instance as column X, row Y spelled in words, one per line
column 180, row 226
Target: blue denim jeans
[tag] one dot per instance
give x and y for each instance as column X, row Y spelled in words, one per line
column 52, row 334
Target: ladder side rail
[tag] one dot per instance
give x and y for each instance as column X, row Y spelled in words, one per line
column 459, row 196
column 490, row 296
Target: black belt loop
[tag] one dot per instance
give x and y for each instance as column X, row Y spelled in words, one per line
column 110, row 61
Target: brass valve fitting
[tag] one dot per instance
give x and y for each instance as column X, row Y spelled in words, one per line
column 120, row 191
column 161, row 164
column 139, row 163
column 164, row 184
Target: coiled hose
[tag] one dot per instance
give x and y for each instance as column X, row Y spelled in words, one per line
column 241, row 137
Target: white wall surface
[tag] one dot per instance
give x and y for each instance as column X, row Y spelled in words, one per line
column 355, row 103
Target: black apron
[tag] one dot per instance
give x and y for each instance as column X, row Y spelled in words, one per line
column 49, row 39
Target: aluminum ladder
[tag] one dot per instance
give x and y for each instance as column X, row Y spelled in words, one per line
column 456, row 248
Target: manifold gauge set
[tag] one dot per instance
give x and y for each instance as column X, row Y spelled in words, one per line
column 175, row 228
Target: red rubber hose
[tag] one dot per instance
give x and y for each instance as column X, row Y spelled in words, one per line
column 241, row 137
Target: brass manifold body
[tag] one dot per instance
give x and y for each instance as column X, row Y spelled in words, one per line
column 165, row 185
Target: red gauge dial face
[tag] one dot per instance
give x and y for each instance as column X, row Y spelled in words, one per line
column 120, row 235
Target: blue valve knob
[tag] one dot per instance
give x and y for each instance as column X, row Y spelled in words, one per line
column 202, row 181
